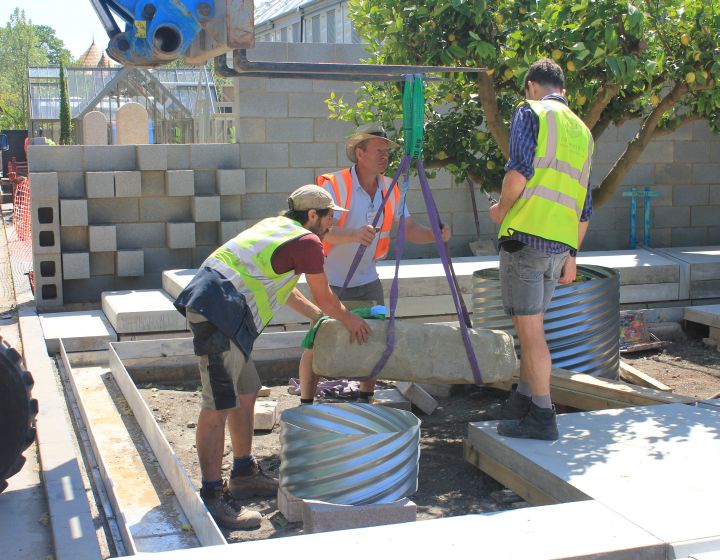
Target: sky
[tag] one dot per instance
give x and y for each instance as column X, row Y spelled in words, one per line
column 74, row 21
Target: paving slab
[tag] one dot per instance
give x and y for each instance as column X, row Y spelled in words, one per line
column 141, row 311
column 80, row 331
column 581, row 531
column 700, row 270
column 624, row 458
column 704, row 314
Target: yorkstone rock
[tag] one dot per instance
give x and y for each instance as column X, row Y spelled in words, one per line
column 424, row 353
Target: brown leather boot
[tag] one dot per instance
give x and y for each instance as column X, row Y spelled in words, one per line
column 227, row 512
column 257, row 483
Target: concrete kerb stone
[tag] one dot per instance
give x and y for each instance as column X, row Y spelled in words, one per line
column 80, row 331
column 73, row 212
column 392, row 398
column 319, row 517
column 141, row 311
column 290, row 506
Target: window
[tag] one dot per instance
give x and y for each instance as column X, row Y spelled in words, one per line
column 316, row 29
column 331, row 26
column 296, row 32
column 283, row 35
column 354, row 34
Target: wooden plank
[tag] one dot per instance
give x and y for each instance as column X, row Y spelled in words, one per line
column 593, row 393
column 200, row 519
column 633, row 375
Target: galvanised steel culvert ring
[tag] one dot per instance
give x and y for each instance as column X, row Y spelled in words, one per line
column 582, row 324
column 349, row 454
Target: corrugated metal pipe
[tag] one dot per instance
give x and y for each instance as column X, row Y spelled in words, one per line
column 349, row 454
column 582, row 324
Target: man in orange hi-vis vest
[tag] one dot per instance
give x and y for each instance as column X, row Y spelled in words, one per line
column 360, row 189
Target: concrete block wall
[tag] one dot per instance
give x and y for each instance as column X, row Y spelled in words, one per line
column 287, row 140
column 115, row 217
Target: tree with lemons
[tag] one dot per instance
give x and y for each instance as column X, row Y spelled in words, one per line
column 655, row 62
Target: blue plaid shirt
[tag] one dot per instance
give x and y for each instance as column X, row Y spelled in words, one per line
column 523, row 143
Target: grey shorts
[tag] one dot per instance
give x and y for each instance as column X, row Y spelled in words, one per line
column 528, row 278
column 224, row 372
column 372, row 292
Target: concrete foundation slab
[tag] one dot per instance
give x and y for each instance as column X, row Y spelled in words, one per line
column 418, row 396
column 621, row 458
column 392, row 398
column 80, row 331
column 704, row 314
column 290, row 506
column 141, row 311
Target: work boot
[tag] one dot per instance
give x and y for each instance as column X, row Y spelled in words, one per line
column 513, row 408
column 256, row 483
column 227, row 512
column 538, row 423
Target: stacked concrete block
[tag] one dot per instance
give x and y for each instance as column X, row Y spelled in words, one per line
column 73, row 213
column 230, row 181
column 152, row 157
column 228, row 230
column 76, row 266
column 45, row 227
column 180, row 182
column 100, row 184
column 180, row 236
column 130, row 263
column 128, row 183
column 206, row 208
column 103, row 238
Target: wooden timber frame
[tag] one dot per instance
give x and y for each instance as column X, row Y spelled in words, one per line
column 202, row 523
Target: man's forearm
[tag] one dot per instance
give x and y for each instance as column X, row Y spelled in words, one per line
column 582, row 230
column 300, row 304
column 512, row 187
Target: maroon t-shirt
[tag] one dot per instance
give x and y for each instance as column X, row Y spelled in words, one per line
column 304, row 255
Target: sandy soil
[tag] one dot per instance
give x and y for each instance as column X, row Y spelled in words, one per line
column 448, row 485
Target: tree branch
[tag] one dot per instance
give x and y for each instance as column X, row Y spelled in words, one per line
column 667, row 130
column 493, row 119
column 594, row 114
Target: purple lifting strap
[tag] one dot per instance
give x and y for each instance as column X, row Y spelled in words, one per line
column 434, row 217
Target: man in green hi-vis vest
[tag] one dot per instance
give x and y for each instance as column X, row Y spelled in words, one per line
column 228, row 303
column 543, row 212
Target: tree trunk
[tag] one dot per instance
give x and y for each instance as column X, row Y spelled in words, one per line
column 493, row 119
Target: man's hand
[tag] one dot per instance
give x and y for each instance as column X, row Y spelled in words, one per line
column 358, row 327
column 497, row 215
column 445, row 233
column 365, row 235
column 569, row 271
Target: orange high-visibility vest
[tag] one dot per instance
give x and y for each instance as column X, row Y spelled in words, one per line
column 341, row 182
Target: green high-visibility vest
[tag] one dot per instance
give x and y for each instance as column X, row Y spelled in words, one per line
column 245, row 261
column 552, row 202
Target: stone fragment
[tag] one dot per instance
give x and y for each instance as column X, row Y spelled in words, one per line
column 319, row 517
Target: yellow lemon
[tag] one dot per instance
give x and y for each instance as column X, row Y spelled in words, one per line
column 480, row 135
column 441, row 155
column 696, row 56
column 508, row 74
column 490, row 71
column 690, row 77
column 684, row 39
column 451, row 37
column 654, row 100
column 571, row 66
column 499, row 18
column 490, row 165
column 557, row 54
column 581, row 99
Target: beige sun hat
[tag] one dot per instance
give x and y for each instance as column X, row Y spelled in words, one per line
column 312, row 197
column 366, row 132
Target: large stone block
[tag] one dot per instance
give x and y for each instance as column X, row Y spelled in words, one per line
column 102, row 264
column 286, row 85
column 180, row 182
column 100, row 184
column 44, row 185
column 180, row 236
column 704, row 216
column 110, row 158
column 264, row 105
column 656, row 152
column 55, row 158
column 159, row 260
column 206, row 208
column 692, row 152
column 675, row 216
column 327, row 130
column 255, row 181
column 128, row 183
column 319, row 517
column 264, row 155
column 76, row 266
column 287, row 180
column 705, row 172
column 178, row 156
column 230, row 181
column 73, row 212
column 80, row 331
column 251, row 131
column 424, row 353
column 117, row 210
column 141, row 311
column 45, row 226
column 214, row 156
column 228, row 230
column 690, row 195
column 130, row 263
column 152, row 183
column 308, row 105
column 290, row 130
column 102, row 238
column 152, row 157
column 312, row 155
column 71, row 184
column 140, row 236
column 166, row 209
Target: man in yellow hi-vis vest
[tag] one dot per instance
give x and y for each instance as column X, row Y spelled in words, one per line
column 360, row 189
column 543, row 212
column 229, row 301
